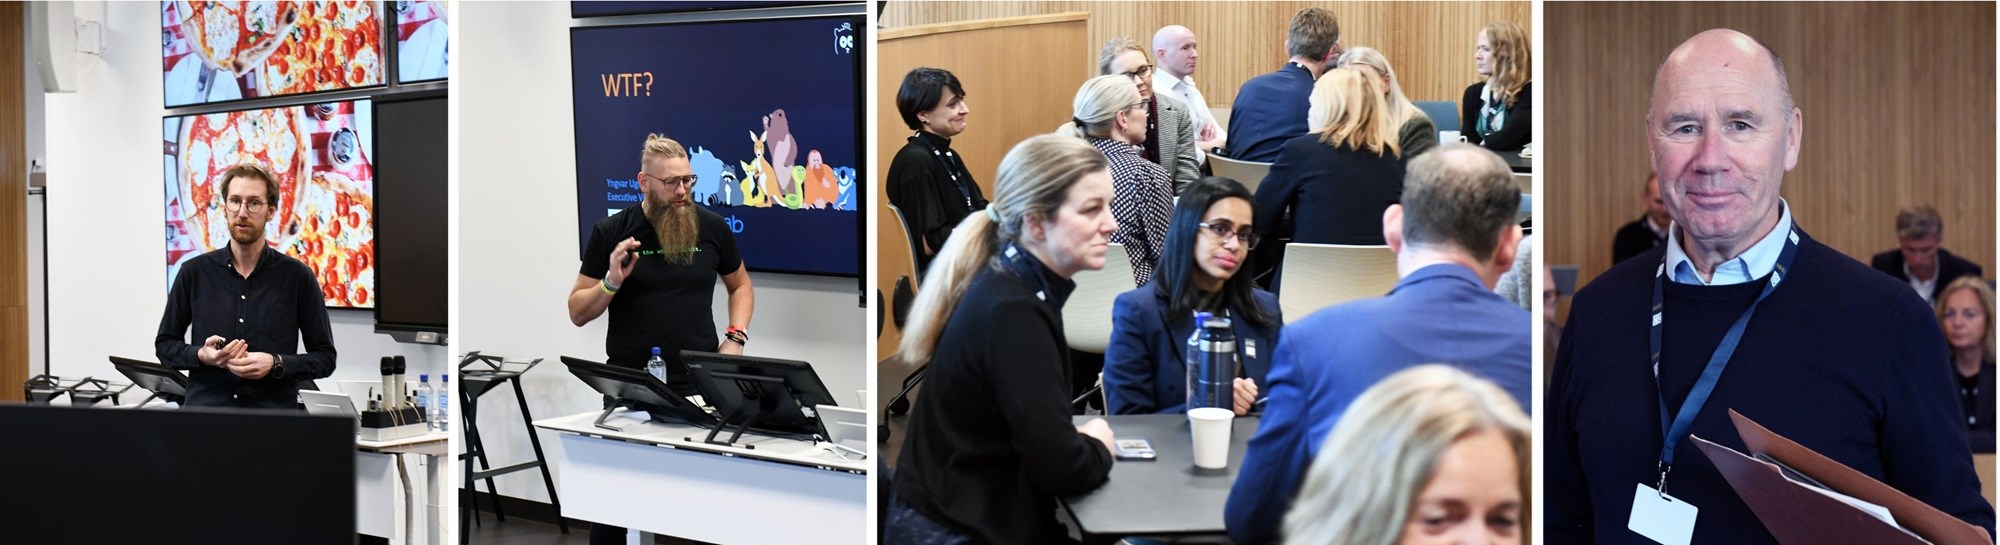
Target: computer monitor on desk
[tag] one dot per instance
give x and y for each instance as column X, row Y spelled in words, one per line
column 164, row 382
column 639, row 388
column 770, row 395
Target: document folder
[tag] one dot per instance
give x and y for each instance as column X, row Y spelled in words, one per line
column 1797, row 514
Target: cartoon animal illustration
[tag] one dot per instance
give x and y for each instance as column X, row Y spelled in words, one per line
column 784, row 149
column 731, row 192
column 796, row 199
column 708, row 176
column 765, row 177
column 822, row 188
column 753, row 185
column 846, row 176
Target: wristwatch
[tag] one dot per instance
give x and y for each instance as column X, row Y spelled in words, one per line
column 278, row 367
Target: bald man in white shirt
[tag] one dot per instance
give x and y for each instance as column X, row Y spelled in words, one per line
column 1174, row 47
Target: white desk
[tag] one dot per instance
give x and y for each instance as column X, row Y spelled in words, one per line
column 373, row 463
column 648, row 478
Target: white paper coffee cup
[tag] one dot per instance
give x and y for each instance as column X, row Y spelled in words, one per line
column 1211, row 426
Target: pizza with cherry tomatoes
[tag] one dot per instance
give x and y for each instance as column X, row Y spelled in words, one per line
column 211, row 143
column 335, row 45
column 237, row 36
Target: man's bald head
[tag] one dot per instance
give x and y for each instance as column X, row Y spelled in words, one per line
column 1174, row 47
column 1724, row 46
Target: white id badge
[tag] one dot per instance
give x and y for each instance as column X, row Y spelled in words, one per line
column 1668, row 520
column 1250, row 347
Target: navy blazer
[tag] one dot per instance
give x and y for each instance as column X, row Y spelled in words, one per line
column 1336, row 195
column 1950, row 267
column 1438, row 314
column 1144, row 367
column 1269, row 109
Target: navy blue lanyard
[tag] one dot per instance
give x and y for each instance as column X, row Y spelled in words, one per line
column 1677, row 428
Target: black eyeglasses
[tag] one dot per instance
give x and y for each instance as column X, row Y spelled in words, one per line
column 237, row 205
column 683, row 181
column 1249, row 239
column 1144, row 104
column 1140, row 72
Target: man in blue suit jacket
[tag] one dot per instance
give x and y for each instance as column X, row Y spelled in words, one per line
column 1145, row 369
column 1271, row 108
column 1453, row 235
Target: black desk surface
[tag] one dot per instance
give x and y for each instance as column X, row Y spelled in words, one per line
column 1164, row 497
column 1517, row 163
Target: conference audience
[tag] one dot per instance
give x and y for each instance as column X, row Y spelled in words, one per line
column 1174, row 47
column 1206, row 245
column 990, row 444
column 1335, row 181
column 1416, row 132
column 1109, row 114
column 1271, row 109
column 1453, row 235
column 1170, row 131
column 1919, row 259
column 1430, row 455
column 1498, row 112
column 1832, row 355
column 928, row 180
column 1647, row 232
column 1965, row 311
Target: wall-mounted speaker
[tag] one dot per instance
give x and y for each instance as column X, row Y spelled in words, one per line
column 52, row 30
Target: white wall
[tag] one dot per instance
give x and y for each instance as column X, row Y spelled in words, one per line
column 107, row 276
column 517, row 239
column 36, row 148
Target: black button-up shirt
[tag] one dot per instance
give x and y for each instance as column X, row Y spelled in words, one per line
column 269, row 310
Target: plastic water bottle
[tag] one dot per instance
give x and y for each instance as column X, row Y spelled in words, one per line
column 424, row 394
column 441, row 404
column 657, row 366
column 1211, row 363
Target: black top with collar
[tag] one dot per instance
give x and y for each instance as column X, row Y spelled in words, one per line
column 928, row 181
column 991, row 445
column 270, row 310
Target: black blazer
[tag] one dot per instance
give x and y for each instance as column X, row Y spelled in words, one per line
column 1513, row 135
column 1950, row 267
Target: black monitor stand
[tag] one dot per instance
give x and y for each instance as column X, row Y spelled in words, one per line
column 760, row 396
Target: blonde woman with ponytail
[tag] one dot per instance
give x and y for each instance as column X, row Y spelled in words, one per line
column 1111, row 115
column 990, row 444
column 1336, row 180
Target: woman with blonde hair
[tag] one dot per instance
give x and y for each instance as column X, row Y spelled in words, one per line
column 1335, row 182
column 1416, row 132
column 1111, row 115
column 1965, row 311
column 1429, row 455
column 990, row 444
column 1496, row 112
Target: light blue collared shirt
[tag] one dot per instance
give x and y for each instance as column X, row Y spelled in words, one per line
column 1752, row 264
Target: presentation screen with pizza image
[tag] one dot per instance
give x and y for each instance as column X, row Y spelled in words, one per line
column 322, row 155
column 223, row 51
column 769, row 112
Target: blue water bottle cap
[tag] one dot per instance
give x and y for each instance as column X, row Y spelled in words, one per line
column 1201, row 317
column 656, row 351
column 444, row 377
column 423, row 377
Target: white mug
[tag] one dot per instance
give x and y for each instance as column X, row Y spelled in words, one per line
column 1447, row 137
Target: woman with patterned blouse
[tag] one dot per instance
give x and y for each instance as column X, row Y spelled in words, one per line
column 1110, row 114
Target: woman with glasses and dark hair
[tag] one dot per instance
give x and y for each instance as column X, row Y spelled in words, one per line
column 927, row 180
column 1109, row 113
column 1206, row 245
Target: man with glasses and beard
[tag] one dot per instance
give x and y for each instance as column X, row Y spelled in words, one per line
column 654, row 267
column 249, row 304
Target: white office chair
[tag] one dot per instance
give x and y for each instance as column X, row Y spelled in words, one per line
column 1087, row 314
column 1250, row 173
column 1317, row 276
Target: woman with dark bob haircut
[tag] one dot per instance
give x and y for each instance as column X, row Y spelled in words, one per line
column 928, row 181
column 1206, row 243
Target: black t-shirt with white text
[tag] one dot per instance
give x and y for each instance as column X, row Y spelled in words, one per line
column 660, row 303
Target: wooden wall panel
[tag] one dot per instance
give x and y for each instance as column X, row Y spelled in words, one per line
column 13, row 206
column 1018, row 82
column 1430, row 43
column 1898, row 105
